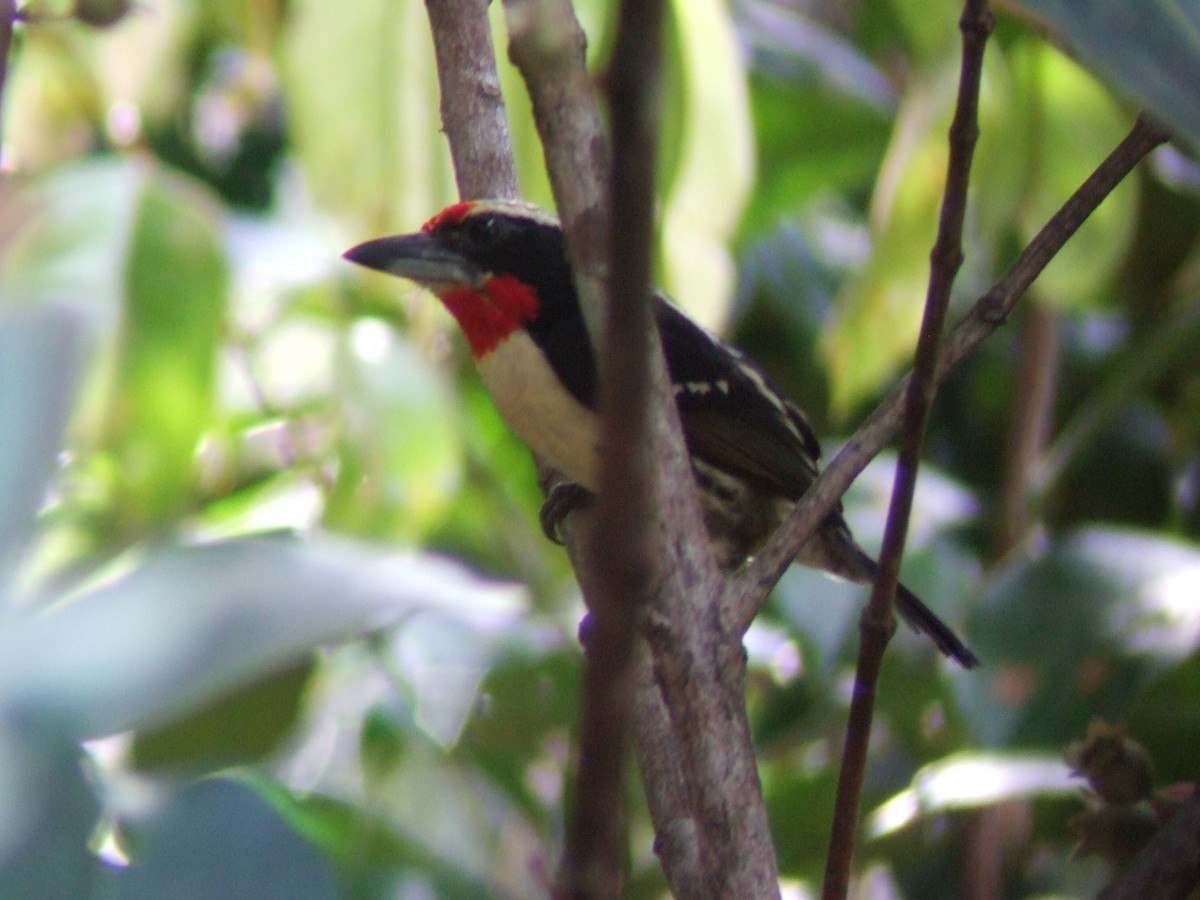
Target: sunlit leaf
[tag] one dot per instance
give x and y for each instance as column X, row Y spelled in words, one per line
column 406, row 459
column 1073, row 123
column 369, row 139
column 878, row 313
column 972, row 779
column 175, row 279
column 715, row 161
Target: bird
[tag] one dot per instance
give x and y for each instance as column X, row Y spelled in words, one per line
column 500, row 268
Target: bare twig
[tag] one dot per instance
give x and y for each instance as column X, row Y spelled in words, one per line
column 8, row 14
column 473, row 114
column 988, row 313
column 878, row 621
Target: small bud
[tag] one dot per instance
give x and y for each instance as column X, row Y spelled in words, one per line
column 1117, row 767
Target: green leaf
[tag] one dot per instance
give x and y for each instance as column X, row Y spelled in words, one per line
column 1148, row 49
column 175, row 279
column 1076, row 633
column 878, row 313
column 239, row 728
column 1070, row 124
column 812, row 141
column 403, row 455
column 71, row 249
column 1165, row 717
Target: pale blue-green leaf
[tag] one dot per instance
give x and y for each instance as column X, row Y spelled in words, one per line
column 40, row 360
column 443, row 661
column 1148, row 49
column 73, row 240
column 219, row 838
column 191, row 624
column 47, row 812
column 456, row 815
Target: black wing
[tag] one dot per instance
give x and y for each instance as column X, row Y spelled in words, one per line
column 733, row 417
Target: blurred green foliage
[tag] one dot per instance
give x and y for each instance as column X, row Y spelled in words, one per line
column 278, row 618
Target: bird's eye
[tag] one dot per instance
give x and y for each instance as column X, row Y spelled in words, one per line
column 483, row 227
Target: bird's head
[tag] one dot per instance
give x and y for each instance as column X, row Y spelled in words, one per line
column 496, row 265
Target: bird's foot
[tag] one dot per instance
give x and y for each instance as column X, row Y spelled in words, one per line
column 562, row 498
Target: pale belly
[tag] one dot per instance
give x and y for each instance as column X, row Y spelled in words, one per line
column 555, row 425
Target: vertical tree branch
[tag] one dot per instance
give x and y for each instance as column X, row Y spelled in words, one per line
column 8, row 14
column 473, row 113
column 691, row 734
column 595, row 851
column 878, row 620
column 548, row 47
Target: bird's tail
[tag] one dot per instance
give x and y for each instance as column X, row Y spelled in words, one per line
column 923, row 619
column 843, row 557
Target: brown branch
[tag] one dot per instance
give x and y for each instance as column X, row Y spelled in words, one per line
column 595, row 851
column 691, row 734
column 1169, row 867
column 8, row 14
column 1029, row 428
column 473, row 113
column 547, row 45
column 988, row 313
column 878, row 619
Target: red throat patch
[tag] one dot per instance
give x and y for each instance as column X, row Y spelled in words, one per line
column 489, row 315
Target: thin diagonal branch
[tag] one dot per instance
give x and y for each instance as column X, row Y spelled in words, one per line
column 987, row 314
column 878, row 619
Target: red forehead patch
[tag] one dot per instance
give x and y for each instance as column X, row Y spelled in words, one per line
column 451, row 215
